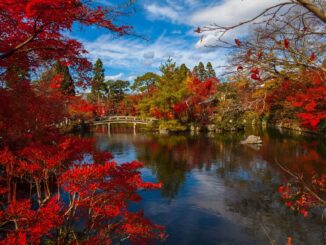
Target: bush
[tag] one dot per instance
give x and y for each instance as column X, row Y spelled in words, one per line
column 251, row 117
column 172, row 126
column 230, row 122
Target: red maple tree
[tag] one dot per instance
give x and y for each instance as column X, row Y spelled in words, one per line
column 310, row 100
column 200, row 104
column 34, row 32
column 51, row 182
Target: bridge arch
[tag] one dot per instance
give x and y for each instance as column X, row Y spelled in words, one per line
column 124, row 120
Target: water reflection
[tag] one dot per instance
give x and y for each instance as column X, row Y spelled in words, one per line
column 216, row 191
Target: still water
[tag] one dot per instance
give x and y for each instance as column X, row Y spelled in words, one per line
column 217, row 191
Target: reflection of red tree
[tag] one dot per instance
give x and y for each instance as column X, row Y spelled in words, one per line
column 297, row 156
column 192, row 153
column 300, row 197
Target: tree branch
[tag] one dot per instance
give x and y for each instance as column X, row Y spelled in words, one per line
column 313, row 8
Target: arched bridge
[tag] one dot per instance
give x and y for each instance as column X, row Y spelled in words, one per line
column 123, row 120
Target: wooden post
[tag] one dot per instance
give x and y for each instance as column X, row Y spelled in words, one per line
column 109, row 128
column 135, row 127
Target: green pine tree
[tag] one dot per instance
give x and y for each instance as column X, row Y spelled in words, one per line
column 183, row 71
column 171, row 87
column 144, row 82
column 195, row 71
column 67, row 85
column 117, row 89
column 210, row 71
column 99, row 87
column 202, row 74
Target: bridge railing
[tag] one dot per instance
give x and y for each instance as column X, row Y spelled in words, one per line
column 126, row 119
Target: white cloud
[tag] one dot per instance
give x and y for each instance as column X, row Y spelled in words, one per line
column 196, row 13
column 120, row 76
column 131, row 78
column 114, row 77
column 230, row 12
column 149, row 55
column 162, row 12
column 139, row 56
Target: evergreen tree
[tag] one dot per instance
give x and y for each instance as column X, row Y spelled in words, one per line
column 144, row 82
column 99, row 87
column 171, row 86
column 195, row 71
column 117, row 90
column 183, row 72
column 210, row 71
column 202, row 74
column 169, row 89
column 67, row 84
column 116, row 93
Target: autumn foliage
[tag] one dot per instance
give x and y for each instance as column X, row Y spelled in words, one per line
column 53, row 166
column 304, row 100
column 300, row 197
column 57, row 188
column 310, row 100
column 37, row 27
column 179, row 95
column 201, row 95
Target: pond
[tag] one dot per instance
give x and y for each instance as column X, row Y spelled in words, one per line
column 217, row 191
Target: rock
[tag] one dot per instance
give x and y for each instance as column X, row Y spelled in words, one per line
column 252, row 139
column 255, row 147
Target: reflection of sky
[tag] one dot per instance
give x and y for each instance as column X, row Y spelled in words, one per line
column 198, row 215
column 127, row 155
column 224, row 204
column 126, row 152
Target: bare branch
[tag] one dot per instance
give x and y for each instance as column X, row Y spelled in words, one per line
column 317, row 11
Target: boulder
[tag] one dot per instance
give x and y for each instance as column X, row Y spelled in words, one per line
column 252, row 139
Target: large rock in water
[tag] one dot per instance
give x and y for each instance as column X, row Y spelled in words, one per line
column 252, row 139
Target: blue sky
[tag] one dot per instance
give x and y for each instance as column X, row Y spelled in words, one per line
column 168, row 27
